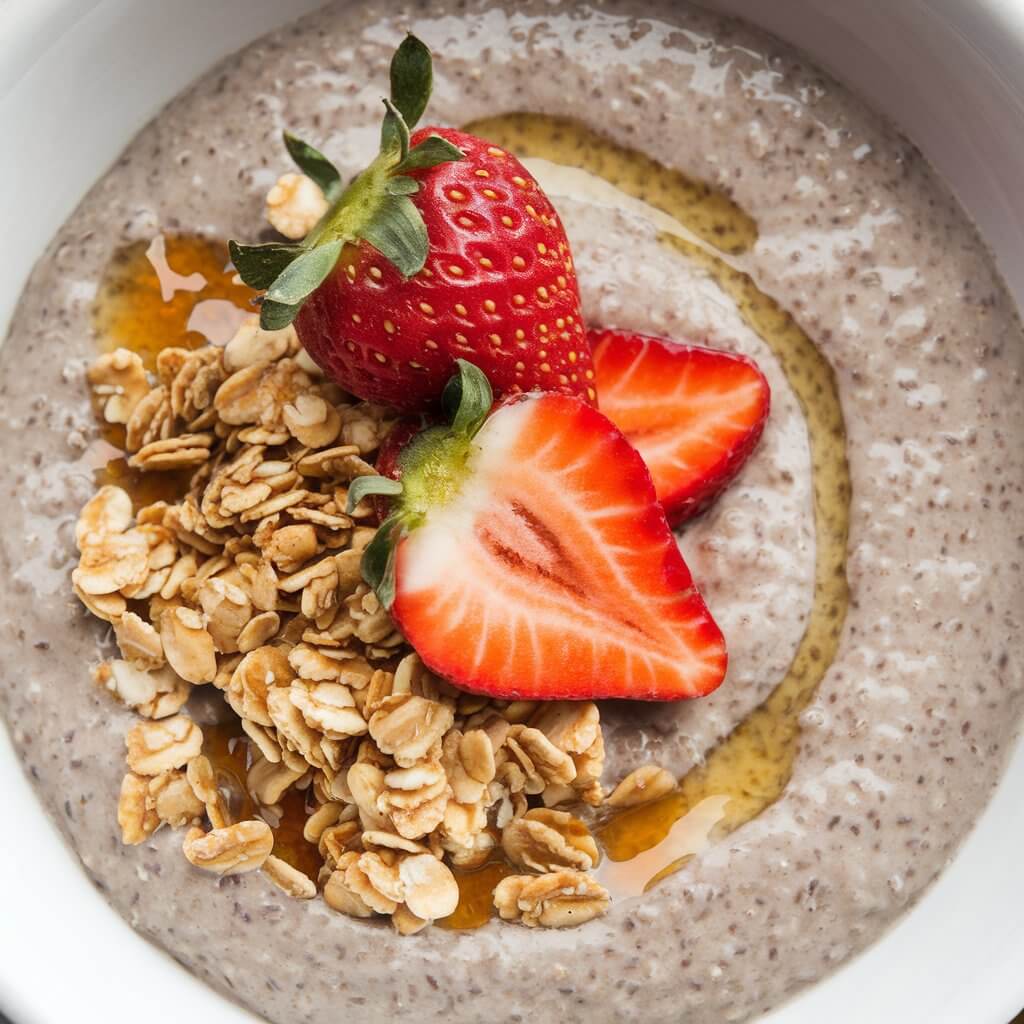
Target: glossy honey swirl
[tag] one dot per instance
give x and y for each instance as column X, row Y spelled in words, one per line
column 754, row 763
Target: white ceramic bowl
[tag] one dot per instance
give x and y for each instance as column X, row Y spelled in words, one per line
column 79, row 77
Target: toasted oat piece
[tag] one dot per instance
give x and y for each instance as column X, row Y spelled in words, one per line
column 232, row 850
column 288, row 879
column 294, row 204
column 157, row 747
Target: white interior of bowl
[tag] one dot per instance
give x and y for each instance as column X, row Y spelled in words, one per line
column 79, row 77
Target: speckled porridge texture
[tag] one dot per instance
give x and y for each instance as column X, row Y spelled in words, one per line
column 911, row 725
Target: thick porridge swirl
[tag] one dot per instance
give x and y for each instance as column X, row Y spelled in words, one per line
column 867, row 559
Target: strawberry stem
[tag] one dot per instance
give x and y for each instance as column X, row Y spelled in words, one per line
column 378, row 561
column 435, row 465
column 314, row 165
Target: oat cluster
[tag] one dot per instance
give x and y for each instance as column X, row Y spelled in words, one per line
column 251, row 583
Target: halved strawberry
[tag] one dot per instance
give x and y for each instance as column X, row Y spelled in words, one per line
column 527, row 557
column 693, row 413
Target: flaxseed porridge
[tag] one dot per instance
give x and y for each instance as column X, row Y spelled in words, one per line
column 246, row 752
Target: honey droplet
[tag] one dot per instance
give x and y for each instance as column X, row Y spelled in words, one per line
column 630, row 832
column 227, row 748
column 476, row 900
column 143, row 488
column 289, row 843
column 131, row 310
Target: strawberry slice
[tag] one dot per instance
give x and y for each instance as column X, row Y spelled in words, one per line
column 527, row 556
column 694, row 414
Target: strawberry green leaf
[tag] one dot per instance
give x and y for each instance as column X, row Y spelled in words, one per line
column 365, row 485
column 378, row 562
column 467, row 399
column 412, row 79
column 402, row 186
column 314, row 165
column 259, row 265
column 394, row 133
column 305, row 274
column 398, row 233
column 275, row 316
column 433, row 150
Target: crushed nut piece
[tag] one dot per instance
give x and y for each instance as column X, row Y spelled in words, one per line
column 139, row 642
column 547, row 840
column 174, row 801
column 251, row 344
column 562, row 899
column 156, row 694
column 118, row 382
column 294, row 205
column 138, row 820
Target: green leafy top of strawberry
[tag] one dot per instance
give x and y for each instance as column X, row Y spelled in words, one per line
column 433, row 467
column 375, row 207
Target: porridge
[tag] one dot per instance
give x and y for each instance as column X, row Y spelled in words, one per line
column 290, row 844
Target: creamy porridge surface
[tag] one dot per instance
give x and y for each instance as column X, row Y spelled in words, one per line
column 909, row 729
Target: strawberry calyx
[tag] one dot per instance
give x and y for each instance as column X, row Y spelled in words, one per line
column 374, row 207
column 433, row 466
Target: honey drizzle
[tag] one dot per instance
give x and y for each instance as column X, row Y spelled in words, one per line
column 289, row 842
column 143, row 488
column 476, row 889
column 130, row 310
column 707, row 212
column 753, row 765
column 227, row 748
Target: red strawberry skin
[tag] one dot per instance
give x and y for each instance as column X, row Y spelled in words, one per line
column 553, row 574
column 695, row 414
column 498, row 289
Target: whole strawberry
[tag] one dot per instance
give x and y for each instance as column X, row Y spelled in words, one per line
column 445, row 247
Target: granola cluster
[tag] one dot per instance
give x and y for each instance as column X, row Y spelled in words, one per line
column 250, row 582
